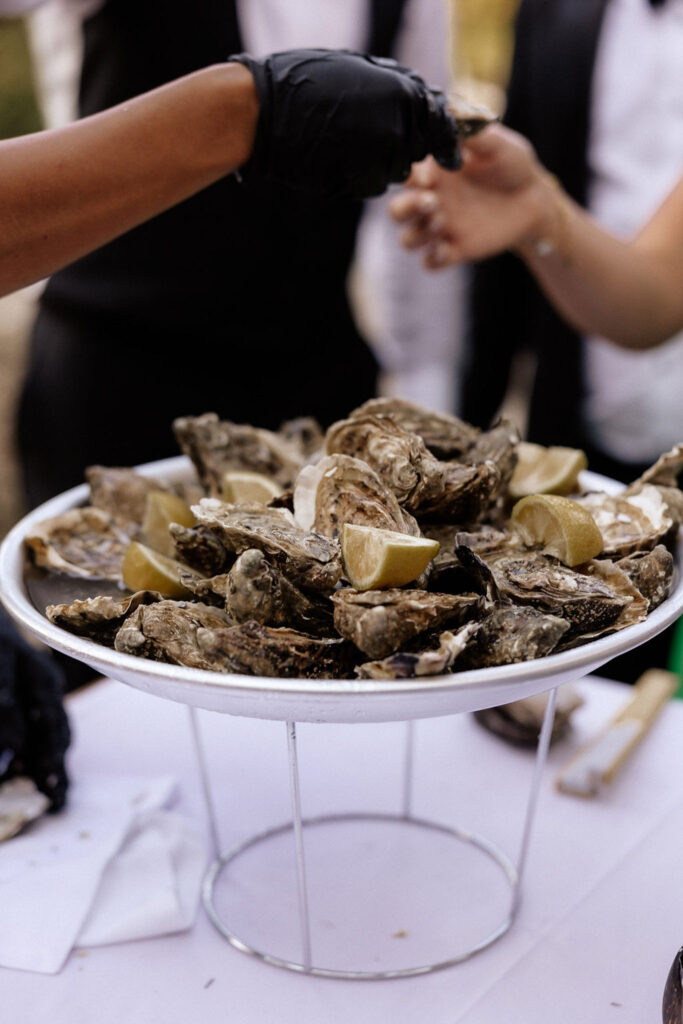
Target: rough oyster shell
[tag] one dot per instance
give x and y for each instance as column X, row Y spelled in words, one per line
column 422, row 484
column 216, row 445
column 257, row 590
column 587, row 602
column 627, row 524
column 445, row 436
column 308, row 560
column 259, row 650
column 99, row 618
column 167, row 631
column 201, row 549
column 340, row 489
column 435, row 661
column 83, row 542
column 667, row 471
column 20, row 803
column 305, row 434
column 121, row 493
column 380, row 622
column 651, row 572
column 510, row 634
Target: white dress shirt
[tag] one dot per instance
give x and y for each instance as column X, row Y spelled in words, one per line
column 634, row 405
column 413, row 319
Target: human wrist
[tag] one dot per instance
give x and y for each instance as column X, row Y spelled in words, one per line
column 546, row 231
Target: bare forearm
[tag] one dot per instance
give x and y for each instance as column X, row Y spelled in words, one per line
column 631, row 293
column 68, row 191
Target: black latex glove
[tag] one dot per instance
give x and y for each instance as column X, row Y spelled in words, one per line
column 34, row 730
column 339, row 124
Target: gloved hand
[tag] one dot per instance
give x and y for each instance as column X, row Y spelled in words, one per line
column 338, row 124
column 34, row 730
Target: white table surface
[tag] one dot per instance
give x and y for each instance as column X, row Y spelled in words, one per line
column 602, row 910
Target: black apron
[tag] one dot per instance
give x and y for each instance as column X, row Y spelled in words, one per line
column 234, row 301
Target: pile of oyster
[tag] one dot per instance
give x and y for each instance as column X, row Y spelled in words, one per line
column 262, row 588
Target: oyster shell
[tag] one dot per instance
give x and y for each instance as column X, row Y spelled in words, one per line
column 254, row 649
column 667, row 471
column 98, row 618
column 83, row 542
column 20, row 803
column 257, row 590
column 167, row 631
column 586, row 601
column 201, row 549
column 308, row 560
column 435, row 661
column 636, row 522
column 510, row 634
column 121, row 493
column 380, row 622
column 305, row 434
column 422, row 484
column 215, row 445
column 520, row 721
column 445, row 436
column 340, row 489
column 651, row 572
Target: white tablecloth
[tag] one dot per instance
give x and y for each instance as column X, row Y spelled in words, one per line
column 602, row 910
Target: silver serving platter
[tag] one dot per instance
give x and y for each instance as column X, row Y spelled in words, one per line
column 315, row 700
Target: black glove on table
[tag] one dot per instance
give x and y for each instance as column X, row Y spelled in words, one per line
column 339, row 124
column 34, row 730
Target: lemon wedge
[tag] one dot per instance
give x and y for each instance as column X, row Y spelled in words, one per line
column 565, row 528
column 381, row 558
column 161, row 510
column 542, row 470
column 240, row 487
column 146, row 569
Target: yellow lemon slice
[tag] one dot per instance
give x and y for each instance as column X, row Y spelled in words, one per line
column 381, row 558
column 240, row 487
column 542, row 470
column 566, row 528
column 146, row 569
column 161, row 510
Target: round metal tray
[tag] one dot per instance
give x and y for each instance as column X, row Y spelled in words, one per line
column 315, row 700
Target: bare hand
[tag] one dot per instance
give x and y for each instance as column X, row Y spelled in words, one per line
column 494, row 202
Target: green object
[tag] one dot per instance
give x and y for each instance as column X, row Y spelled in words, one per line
column 676, row 657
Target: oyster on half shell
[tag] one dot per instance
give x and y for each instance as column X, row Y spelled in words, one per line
column 308, row 560
column 340, row 489
column 82, row 542
column 121, row 493
column 99, row 618
column 380, row 622
column 636, row 522
column 588, row 603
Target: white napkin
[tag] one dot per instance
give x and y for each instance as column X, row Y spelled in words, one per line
column 113, row 866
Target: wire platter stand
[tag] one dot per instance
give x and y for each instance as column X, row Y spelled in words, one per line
column 299, row 827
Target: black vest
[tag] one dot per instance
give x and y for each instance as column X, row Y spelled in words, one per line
column 228, row 255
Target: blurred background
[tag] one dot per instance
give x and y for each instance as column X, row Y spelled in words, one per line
column 480, row 49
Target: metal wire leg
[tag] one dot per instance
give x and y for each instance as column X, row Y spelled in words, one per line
column 204, row 780
column 408, row 762
column 541, row 755
column 299, row 844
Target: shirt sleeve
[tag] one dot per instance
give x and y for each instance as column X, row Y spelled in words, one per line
column 417, row 316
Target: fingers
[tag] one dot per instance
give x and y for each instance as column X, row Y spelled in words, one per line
column 413, row 204
column 441, row 253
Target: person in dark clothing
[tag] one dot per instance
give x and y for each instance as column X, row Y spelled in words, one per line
column 234, row 301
